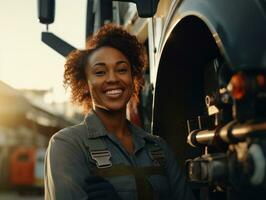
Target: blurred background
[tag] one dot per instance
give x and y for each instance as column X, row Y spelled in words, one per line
column 33, row 103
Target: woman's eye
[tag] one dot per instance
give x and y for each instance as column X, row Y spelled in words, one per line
column 99, row 73
column 122, row 70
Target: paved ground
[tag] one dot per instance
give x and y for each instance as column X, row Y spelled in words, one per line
column 15, row 196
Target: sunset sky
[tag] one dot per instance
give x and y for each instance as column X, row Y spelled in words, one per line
column 25, row 61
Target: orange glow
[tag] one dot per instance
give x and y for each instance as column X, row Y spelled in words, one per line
column 261, row 80
column 238, row 86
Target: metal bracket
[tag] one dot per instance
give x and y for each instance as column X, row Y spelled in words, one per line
column 57, row 43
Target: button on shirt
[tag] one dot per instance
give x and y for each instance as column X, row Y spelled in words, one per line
column 67, row 163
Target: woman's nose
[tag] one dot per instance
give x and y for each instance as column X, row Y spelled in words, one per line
column 111, row 77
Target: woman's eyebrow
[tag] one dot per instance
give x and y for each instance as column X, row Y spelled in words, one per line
column 104, row 64
column 122, row 61
column 98, row 63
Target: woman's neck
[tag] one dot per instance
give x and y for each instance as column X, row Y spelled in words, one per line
column 114, row 121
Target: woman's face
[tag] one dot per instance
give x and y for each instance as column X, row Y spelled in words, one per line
column 109, row 78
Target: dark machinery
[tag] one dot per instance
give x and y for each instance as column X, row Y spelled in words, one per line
column 210, row 67
column 233, row 138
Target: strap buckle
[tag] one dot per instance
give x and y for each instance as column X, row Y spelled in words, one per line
column 102, row 158
column 159, row 161
column 158, row 157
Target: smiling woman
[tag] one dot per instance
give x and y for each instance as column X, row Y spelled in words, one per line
column 79, row 61
column 106, row 156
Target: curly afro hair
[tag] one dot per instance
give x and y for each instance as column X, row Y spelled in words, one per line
column 109, row 35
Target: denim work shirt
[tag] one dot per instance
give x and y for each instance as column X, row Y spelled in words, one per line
column 67, row 163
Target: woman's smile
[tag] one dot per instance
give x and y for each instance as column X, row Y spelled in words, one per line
column 114, row 93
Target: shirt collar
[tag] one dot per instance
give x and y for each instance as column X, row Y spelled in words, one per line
column 138, row 136
column 94, row 125
column 96, row 129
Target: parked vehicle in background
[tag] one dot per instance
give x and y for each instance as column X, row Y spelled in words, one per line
column 25, row 129
column 22, row 163
column 26, row 169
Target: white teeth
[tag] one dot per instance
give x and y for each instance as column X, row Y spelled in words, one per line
column 117, row 91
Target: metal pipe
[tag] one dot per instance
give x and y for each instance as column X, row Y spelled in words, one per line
column 232, row 132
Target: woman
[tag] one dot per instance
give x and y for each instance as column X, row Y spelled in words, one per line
column 106, row 157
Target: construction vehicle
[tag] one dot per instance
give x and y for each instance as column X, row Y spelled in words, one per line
column 207, row 80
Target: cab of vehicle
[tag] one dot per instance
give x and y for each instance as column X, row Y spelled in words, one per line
column 22, row 163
